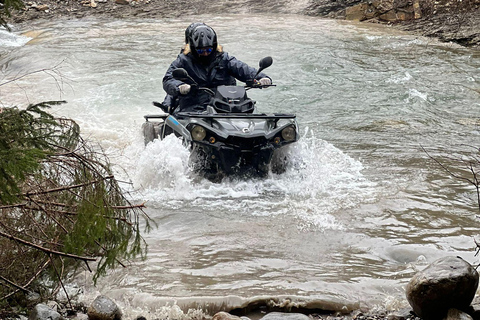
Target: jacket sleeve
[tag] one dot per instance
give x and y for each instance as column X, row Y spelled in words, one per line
column 170, row 85
column 241, row 70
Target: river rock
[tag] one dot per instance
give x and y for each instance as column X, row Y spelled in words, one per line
column 384, row 10
column 225, row 316
column 447, row 283
column 80, row 316
column 402, row 314
column 40, row 7
column 43, row 312
column 455, row 314
column 285, row 316
column 103, row 308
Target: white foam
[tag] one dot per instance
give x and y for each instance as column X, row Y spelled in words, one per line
column 319, row 181
column 163, row 166
column 400, row 79
column 414, row 93
column 12, row 40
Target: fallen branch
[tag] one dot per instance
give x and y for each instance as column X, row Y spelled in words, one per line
column 59, row 276
column 58, row 253
column 18, row 205
column 39, row 272
column 58, row 197
column 28, row 194
column 14, row 284
column 142, row 205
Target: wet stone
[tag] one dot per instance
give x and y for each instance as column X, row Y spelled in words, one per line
column 225, row 316
column 455, row 314
column 81, row 316
column 447, row 283
column 43, row 312
column 285, row 316
column 403, row 314
column 103, row 308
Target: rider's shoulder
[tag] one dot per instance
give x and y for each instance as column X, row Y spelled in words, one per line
column 225, row 56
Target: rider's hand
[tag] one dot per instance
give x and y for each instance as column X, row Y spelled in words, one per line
column 265, row 82
column 184, row 88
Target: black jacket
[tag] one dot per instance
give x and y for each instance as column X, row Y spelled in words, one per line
column 222, row 71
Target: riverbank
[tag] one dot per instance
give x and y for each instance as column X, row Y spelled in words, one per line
column 444, row 19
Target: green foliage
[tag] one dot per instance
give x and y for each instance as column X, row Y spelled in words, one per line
column 60, row 206
column 6, row 7
column 26, row 137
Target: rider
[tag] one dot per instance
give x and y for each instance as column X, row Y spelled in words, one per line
column 170, row 102
column 209, row 66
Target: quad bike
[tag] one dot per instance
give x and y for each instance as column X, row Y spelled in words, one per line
column 230, row 137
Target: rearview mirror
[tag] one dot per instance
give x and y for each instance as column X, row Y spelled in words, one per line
column 265, row 63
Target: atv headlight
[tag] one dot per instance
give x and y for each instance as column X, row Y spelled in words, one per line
column 198, row 133
column 289, row 133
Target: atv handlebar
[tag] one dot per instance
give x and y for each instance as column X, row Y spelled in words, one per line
column 182, row 75
column 249, row 85
column 195, row 87
column 254, row 84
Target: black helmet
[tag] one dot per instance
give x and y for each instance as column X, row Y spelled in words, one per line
column 190, row 28
column 203, row 36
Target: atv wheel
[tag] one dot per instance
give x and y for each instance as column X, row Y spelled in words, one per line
column 149, row 132
column 279, row 162
column 262, row 170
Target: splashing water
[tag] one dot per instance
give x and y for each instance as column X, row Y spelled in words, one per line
column 319, row 180
column 12, row 40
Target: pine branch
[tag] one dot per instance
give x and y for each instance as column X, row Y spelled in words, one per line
column 29, row 194
column 58, row 253
column 62, row 200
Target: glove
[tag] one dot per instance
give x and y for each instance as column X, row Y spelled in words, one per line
column 265, row 82
column 184, row 88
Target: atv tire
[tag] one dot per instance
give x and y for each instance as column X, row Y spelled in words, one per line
column 149, row 132
column 279, row 162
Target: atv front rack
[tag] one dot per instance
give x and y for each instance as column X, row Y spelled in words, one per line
column 156, row 116
column 274, row 116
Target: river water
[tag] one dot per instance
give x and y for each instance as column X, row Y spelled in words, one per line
column 361, row 208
